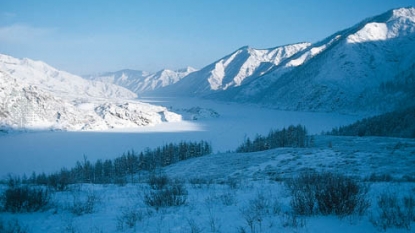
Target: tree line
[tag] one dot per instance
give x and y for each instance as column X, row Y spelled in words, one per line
column 126, row 168
column 293, row 136
column 400, row 123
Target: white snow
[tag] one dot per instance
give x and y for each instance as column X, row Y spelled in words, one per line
column 370, row 32
column 310, row 53
column 61, row 83
column 344, row 72
column 37, row 96
column 52, row 99
column 401, row 23
column 229, row 185
column 141, row 81
column 234, row 69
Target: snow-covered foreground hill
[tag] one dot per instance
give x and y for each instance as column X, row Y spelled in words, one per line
column 229, row 192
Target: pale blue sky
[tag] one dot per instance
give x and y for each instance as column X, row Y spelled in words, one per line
column 83, row 37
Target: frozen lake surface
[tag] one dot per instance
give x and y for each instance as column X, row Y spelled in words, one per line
column 46, row 151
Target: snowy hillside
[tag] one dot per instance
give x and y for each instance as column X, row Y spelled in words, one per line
column 237, row 192
column 347, row 72
column 141, row 81
column 35, row 95
column 61, row 83
column 233, row 70
column 367, row 68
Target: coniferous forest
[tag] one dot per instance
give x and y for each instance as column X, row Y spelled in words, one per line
column 293, row 136
column 125, row 168
column 400, row 123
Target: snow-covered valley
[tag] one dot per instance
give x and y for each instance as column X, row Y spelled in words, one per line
column 225, row 191
column 46, row 150
column 61, row 133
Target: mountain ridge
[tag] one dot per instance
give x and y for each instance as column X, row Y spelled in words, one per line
column 233, row 69
column 343, row 72
column 37, row 96
column 141, row 82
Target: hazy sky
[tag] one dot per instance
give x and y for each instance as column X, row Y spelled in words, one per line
column 83, row 37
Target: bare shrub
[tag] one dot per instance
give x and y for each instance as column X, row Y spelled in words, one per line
column 293, row 221
column 198, row 182
column 158, row 182
column 379, row 177
column 83, row 205
column 341, row 195
column 214, row 223
column 233, row 183
column 22, row 198
column 394, row 211
column 303, row 193
column 12, row 226
column 408, row 178
column 129, row 218
column 256, row 211
column 227, row 198
column 70, row 227
column 193, row 226
column 327, row 193
column 165, row 192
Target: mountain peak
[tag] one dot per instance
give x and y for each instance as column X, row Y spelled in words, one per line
column 405, row 12
column 140, row 81
column 188, row 69
column 36, row 95
column 392, row 24
column 246, row 47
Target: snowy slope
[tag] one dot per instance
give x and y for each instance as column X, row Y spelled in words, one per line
column 345, row 72
column 234, row 69
column 126, row 78
column 224, row 190
column 141, row 81
column 364, row 69
column 35, row 95
column 59, row 82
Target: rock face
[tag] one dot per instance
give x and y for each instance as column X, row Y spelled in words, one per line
column 36, row 96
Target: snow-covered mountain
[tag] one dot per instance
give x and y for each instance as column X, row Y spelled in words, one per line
column 36, row 95
column 366, row 68
column 233, row 70
column 140, row 81
column 126, row 78
column 43, row 76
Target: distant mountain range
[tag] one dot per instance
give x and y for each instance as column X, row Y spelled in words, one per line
column 365, row 68
column 35, row 95
column 140, row 81
column 368, row 69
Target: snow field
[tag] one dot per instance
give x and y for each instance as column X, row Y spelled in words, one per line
column 229, row 192
column 255, row 206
